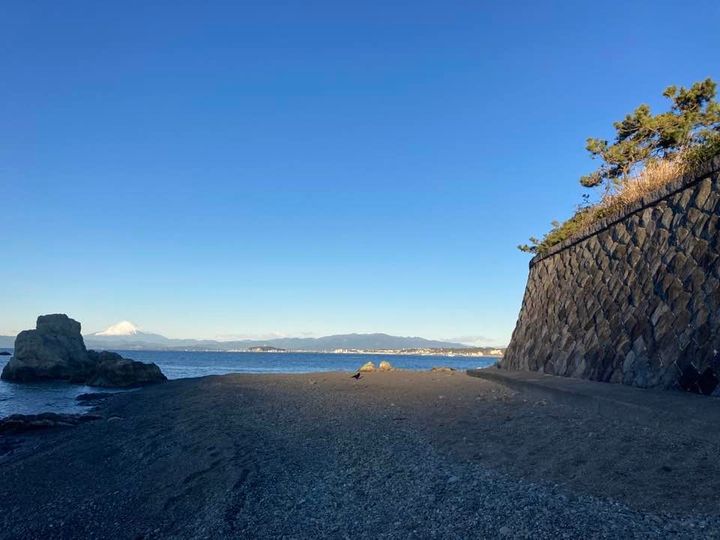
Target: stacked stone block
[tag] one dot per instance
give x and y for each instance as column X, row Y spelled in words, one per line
column 636, row 300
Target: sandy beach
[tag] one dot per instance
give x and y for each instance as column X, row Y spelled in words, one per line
column 394, row 455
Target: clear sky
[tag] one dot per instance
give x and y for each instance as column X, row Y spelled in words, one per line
column 240, row 168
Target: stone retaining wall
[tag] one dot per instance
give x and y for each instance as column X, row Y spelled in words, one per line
column 635, row 300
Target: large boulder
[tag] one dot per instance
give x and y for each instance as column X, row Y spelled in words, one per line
column 385, row 366
column 56, row 350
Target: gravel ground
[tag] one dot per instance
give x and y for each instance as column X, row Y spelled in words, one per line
column 394, row 455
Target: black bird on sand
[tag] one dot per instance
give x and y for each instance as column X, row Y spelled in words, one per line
column 357, row 376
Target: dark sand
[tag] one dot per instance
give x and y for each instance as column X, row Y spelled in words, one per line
column 394, row 455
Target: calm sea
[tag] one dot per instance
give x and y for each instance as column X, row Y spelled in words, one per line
column 30, row 398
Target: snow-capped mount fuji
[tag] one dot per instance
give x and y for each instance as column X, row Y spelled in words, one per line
column 124, row 334
column 123, row 328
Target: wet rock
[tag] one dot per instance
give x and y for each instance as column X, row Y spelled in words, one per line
column 22, row 423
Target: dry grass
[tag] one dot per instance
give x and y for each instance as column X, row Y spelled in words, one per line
column 655, row 175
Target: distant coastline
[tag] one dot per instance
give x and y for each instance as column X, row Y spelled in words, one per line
column 483, row 352
column 486, row 352
column 126, row 336
column 471, row 351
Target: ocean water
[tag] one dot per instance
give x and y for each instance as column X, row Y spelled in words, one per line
column 32, row 398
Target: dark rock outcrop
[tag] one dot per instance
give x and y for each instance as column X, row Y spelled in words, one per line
column 22, row 423
column 112, row 370
column 56, row 350
column 5, row 353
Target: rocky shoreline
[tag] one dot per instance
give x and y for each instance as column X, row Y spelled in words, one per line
column 396, row 454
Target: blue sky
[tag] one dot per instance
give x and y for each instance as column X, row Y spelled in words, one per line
column 241, row 168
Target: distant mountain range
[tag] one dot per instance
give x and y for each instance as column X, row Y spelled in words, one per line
column 126, row 336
